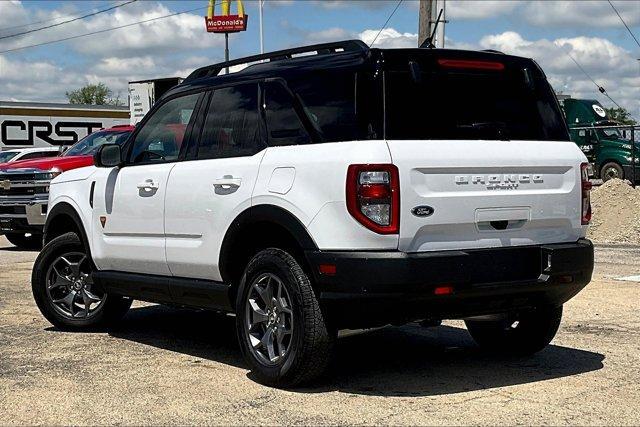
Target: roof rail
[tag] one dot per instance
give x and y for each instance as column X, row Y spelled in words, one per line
column 319, row 49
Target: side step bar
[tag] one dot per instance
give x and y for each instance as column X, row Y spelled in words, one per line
column 195, row 293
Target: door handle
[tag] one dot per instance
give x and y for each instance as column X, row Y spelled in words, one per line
column 227, row 182
column 148, row 185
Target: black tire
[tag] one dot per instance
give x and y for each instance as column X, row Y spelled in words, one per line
column 611, row 170
column 534, row 331
column 110, row 309
column 311, row 343
column 22, row 241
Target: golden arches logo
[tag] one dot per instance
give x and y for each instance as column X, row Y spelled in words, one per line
column 226, row 8
column 226, row 22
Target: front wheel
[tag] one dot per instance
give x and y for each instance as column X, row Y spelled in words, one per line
column 64, row 291
column 25, row 240
column 282, row 332
column 517, row 334
column 611, row 170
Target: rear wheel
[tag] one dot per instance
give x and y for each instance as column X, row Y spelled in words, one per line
column 611, row 170
column 64, row 291
column 517, row 334
column 282, row 332
column 25, row 240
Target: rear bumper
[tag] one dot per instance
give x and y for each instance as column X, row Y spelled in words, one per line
column 370, row 288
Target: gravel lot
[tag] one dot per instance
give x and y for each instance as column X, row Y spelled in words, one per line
column 165, row 365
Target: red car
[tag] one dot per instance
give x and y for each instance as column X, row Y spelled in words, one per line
column 24, row 185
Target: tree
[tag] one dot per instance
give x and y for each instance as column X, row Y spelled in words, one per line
column 620, row 115
column 98, row 94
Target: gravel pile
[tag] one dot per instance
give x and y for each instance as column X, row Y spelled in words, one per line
column 616, row 213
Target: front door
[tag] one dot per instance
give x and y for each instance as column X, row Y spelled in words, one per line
column 205, row 194
column 128, row 213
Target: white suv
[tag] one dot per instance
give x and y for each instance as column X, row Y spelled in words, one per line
column 327, row 187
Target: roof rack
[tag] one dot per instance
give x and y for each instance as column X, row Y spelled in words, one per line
column 279, row 55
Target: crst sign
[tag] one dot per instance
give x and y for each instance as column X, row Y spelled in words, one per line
column 226, row 23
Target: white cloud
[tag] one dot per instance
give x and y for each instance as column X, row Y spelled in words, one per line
column 472, row 9
column 389, row 38
column 178, row 33
column 580, row 13
column 608, row 64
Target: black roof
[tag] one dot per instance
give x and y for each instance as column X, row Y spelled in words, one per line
column 347, row 53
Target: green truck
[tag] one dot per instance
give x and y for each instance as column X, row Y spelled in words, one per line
column 602, row 140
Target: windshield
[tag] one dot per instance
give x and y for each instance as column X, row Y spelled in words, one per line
column 90, row 144
column 7, row 155
column 611, row 134
column 446, row 100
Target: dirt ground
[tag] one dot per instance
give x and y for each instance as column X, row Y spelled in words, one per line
column 171, row 366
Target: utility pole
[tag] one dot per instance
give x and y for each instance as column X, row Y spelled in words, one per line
column 260, row 7
column 424, row 28
column 429, row 11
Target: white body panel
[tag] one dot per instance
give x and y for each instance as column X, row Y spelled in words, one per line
column 180, row 227
column 203, row 198
column 317, row 195
column 132, row 201
column 535, row 186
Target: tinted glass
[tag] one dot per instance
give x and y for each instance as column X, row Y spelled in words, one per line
column 513, row 103
column 283, row 124
column 7, row 155
column 39, row 154
column 329, row 100
column 231, row 128
column 161, row 137
column 90, row 143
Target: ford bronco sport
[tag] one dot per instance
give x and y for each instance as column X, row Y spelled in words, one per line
column 328, row 187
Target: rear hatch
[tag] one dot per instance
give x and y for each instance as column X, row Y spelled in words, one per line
column 483, row 152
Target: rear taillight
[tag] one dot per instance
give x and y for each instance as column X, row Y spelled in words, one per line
column 586, row 196
column 373, row 197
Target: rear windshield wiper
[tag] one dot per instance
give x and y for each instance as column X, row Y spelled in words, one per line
column 488, row 130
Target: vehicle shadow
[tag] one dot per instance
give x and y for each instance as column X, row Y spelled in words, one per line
column 394, row 361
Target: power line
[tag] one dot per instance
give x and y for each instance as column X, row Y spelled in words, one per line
column 386, row 22
column 600, row 88
column 624, row 23
column 102, row 31
column 29, row 24
column 68, row 21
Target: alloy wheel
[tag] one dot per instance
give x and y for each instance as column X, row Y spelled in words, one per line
column 269, row 319
column 70, row 288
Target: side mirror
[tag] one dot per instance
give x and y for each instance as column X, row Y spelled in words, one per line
column 108, row 156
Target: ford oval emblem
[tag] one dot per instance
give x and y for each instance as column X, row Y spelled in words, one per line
column 422, row 211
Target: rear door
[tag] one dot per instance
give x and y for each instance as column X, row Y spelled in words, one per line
column 128, row 213
column 207, row 192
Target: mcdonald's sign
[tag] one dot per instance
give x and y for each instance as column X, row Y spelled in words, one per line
column 226, row 23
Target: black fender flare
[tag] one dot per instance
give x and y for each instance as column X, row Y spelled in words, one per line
column 65, row 209
column 263, row 213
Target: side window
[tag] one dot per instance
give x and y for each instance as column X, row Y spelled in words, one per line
column 329, row 99
column 283, row 124
column 162, row 135
column 232, row 126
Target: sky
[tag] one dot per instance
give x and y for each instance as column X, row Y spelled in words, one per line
column 547, row 31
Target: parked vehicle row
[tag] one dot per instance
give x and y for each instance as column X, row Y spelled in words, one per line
column 24, row 184
column 326, row 187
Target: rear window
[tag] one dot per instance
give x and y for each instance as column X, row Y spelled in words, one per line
column 455, row 101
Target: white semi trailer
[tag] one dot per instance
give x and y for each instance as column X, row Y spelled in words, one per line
column 36, row 124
